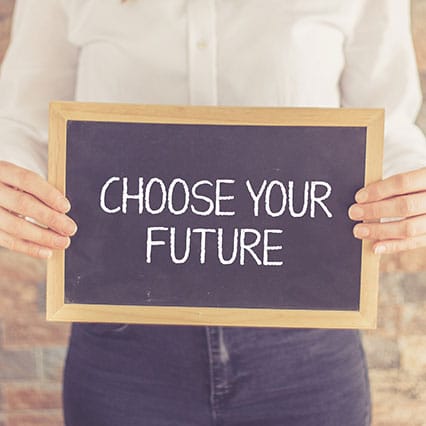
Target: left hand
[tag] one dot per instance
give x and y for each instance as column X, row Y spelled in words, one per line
column 400, row 196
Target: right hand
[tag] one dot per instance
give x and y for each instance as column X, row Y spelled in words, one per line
column 24, row 192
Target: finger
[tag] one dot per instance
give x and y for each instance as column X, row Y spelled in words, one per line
column 27, row 205
column 29, row 181
column 400, row 229
column 402, row 206
column 24, row 230
column 399, row 184
column 21, row 246
column 395, row 246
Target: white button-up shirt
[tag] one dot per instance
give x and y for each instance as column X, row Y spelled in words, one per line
column 333, row 53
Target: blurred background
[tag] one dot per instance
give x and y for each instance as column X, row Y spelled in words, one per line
column 32, row 351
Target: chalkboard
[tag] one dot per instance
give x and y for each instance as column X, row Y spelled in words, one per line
column 213, row 215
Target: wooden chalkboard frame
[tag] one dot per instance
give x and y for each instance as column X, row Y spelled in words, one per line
column 58, row 310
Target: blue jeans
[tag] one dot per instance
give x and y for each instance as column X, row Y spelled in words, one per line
column 152, row 375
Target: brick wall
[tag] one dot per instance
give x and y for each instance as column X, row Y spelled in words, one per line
column 32, row 351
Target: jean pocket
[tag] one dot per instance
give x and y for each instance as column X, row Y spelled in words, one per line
column 105, row 329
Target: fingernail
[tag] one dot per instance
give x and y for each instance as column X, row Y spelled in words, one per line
column 379, row 249
column 61, row 241
column 361, row 196
column 44, row 252
column 71, row 228
column 362, row 231
column 356, row 212
column 64, row 204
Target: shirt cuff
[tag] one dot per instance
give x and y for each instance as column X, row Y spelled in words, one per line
column 20, row 149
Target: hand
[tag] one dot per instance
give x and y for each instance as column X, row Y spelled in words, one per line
column 25, row 193
column 401, row 196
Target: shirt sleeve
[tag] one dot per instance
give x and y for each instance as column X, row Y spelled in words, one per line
column 381, row 72
column 39, row 66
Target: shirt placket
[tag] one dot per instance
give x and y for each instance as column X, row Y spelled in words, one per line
column 202, row 55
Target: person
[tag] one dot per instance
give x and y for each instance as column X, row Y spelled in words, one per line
column 212, row 52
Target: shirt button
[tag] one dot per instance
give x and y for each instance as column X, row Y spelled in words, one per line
column 202, row 44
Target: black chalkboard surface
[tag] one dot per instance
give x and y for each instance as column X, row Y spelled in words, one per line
column 213, row 215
